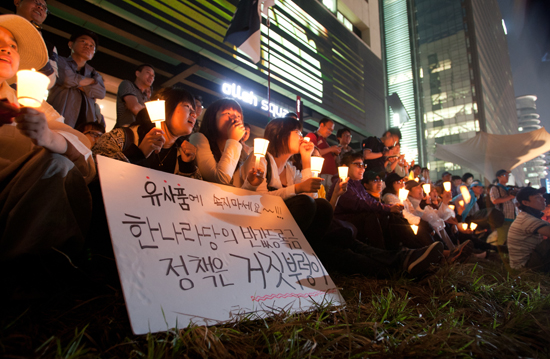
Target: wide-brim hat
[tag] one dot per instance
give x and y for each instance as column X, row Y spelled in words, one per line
column 32, row 50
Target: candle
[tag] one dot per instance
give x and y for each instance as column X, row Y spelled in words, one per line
column 32, row 88
column 343, row 172
column 452, row 207
column 447, row 186
column 461, row 203
column 403, row 193
column 426, row 187
column 464, row 226
column 473, row 226
column 411, row 175
column 417, row 179
column 465, row 194
column 306, row 139
column 260, row 148
column 414, row 227
column 156, row 112
column 316, row 165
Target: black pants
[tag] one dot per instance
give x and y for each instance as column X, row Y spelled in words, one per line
column 340, row 251
column 540, row 258
column 313, row 216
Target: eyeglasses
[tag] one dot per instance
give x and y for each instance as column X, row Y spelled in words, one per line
column 359, row 164
column 94, row 134
column 376, row 180
column 43, row 5
column 190, row 109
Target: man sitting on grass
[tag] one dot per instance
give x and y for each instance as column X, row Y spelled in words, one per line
column 526, row 245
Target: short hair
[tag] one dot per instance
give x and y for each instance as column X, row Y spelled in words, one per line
column 277, row 132
column 424, row 169
column 416, row 166
column 341, row 132
column 455, row 177
column 446, row 173
column 324, row 120
column 94, row 126
column 467, row 176
column 199, row 98
column 208, row 125
column 140, row 67
column 351, row 156
column 394, row 131
column 81, row 32
column 524, row 194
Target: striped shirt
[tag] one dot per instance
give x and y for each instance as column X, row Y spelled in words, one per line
column 508, row 208
column 523, row 238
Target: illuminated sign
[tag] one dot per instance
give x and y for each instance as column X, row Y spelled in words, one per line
column 237, row 92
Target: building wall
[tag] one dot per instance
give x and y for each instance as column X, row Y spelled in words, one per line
column 365, row 15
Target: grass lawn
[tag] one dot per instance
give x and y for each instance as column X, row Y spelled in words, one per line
column 466, row 310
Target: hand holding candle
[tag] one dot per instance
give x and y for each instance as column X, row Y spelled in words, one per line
column 32, row 88
column 473, row 226
column 260, row 149
column 427, row 188
column 156, row 111
column 464, row 226
column 414, row 228
column 447, row 186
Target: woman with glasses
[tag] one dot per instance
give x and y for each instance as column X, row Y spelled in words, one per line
column 217, row 142
column 163, row 149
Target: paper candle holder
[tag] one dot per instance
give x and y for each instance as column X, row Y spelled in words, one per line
column 260, row 146
column 473, row 226
column 414, row 227
column 447, row 186
column 464, row 226
column 403, row 193
column 427, row 188
column 156, row 111
column 316, row 165
column 343, row 172
column 461, row 203
column 32, row 88
column 465, row 194
column 452, row 207
column 307, row 139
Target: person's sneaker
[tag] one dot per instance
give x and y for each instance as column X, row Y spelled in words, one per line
column 418, row 261
column 461, row 252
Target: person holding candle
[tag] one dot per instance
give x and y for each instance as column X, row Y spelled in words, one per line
column 44, row 164
column 503, row 199
column 375, row 150
column 297, row 188
column 328, row 152
column 36, row 12
column 78, row 84
column 164, row 149
column 217, row 142
column 343, row 136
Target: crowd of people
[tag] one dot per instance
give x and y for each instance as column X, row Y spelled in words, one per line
column 359, row 224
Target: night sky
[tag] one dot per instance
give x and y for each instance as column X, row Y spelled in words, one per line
column 528, row 25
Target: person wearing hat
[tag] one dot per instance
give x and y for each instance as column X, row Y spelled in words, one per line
column 78, row 84
column 504, row 202
column 416, row 205
column 44, row 164
column 527, row 246
column 36, row 12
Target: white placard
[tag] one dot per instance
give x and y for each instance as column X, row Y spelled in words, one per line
column 192, row 251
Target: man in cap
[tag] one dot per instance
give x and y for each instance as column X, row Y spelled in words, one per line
column 528, row 243
column 503, row 200
column 78, row 84
column 44, row 164
column 36, row 12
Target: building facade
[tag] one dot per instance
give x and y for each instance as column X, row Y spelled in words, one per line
column 528, row 120
column 448, row 61
column 326, row 52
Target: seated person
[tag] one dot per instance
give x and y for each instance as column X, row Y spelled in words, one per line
column 375, row 150
column 92, row 131
column 343, row 136
column 164, row 150
column 526, row 244
column 217, row 142
column 44, row 164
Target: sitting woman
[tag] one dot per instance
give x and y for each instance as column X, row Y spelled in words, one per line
column 44, row 164
column 217, row 142
column 163, row 150
column 297, row 188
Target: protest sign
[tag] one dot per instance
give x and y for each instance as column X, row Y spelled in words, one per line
column 189, row 251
